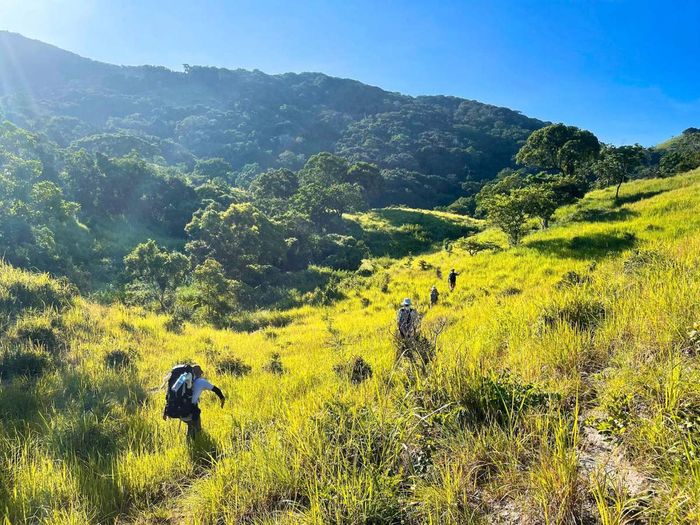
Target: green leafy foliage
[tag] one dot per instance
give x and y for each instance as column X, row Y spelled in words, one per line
column 160, row 271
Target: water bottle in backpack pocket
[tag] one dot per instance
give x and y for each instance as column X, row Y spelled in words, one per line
column 178, row 396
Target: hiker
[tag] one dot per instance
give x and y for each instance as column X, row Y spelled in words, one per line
column 185, row 386
column 434, row 295
column 452, row 279
column 407, row 319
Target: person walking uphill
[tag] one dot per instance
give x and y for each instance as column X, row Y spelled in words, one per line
column 185, row 386
column 407, row 319
column 434, row 295
column 452, row 279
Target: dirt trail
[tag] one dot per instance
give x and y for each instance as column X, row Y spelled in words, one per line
column 599, row 453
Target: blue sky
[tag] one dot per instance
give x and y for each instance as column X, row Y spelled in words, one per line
column 626, row 70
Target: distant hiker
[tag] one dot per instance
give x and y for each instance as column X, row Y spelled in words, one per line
column 452, row 279
column 434, row 295
column 185, row 386
column 407, row 319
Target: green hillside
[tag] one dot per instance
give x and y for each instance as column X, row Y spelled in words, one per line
column 559, row 383
column 256, row 121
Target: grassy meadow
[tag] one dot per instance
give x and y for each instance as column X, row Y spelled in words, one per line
column 559, row 383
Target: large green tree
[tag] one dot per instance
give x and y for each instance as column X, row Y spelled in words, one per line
column 559, row 147
column 237, row 237
column 159, row 270
column 618, row 164
column 214, row 294
column 509, row 212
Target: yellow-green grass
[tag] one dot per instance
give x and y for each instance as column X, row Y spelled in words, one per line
column 528, row 362
column 399, row 231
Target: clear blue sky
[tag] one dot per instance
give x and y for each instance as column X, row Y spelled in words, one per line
column 627, row 70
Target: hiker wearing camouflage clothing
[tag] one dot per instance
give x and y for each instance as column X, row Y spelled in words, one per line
column 407, row 319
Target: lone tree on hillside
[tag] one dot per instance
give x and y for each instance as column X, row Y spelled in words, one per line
column 559, row 147
column 508, row 212
column 617, row 164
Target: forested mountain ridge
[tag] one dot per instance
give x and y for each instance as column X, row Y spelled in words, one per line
column 255, row 121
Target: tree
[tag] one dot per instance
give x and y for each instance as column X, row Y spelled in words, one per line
column 368, row 177
column 274, row 184
column 541, row 202
column 509, row 213
column 323, row 168
column 617, row 164
column 237, row 237
column 559, row 147
column 325, row 203
column 214, row 293
column 209, row 169
column 159, row 270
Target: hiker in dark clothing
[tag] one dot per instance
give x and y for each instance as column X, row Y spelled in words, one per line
column 195, row 383
column 434, row 295
column 407, row 319
column 452, row 279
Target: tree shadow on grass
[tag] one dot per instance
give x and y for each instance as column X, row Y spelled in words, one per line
column 411, row 232
column 593, row 246
column 603, row 215
column 636, row 197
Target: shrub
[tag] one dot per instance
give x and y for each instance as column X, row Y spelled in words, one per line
column 417, row 349
column 644, row 258
column 21, row 290
column 356, row 370
column 252, row 321
column 579, row 312
column 366, row 268
column 27, row 362
column 233, row 366
column 40, row 330
column 274, row 365
column 572, row 279
column 119, row 359
column 341, row 252
column 473, row 246
column 424, row 265
column 179, row 317
column 510, row 291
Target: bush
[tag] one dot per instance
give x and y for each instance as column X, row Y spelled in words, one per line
column 42, row 330
column 473, row 246
column 644, row 258
column 417, row 349
column 119, row 359
column 233, row 366
column 253, row 321
column 572, row 279
column 28, row 362
column 274, row 366
column 510, row 291
column 21, row 290
column 579, row 312
column 356, row 370
column 179, row 317
column 341, row 252
column 366, row 268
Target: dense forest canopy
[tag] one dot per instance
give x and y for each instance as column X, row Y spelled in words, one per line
column 256, row 121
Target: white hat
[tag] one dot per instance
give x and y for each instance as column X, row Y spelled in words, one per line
column 406, row 302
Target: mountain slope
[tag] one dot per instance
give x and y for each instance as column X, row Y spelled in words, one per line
column 564, row 388
column 248, row 117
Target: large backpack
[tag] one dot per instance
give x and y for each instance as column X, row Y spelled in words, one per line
column 405, row 319
column 178, row 397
